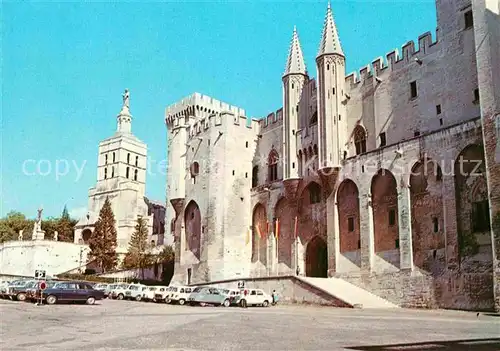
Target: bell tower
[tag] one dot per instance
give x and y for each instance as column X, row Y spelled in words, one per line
column 332, row 119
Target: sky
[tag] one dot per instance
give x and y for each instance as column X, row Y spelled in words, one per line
column 66, row 64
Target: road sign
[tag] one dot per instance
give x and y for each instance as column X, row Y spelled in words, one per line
column 43, row 285
column 40, row 274
column 241, row 284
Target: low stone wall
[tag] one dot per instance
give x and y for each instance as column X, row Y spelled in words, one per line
column 289, row 289
column 22, row 258
column 450, row 290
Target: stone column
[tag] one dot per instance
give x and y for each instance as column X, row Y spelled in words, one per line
column 367, row 236
column 450, row 221
column 271, row 254
column 332, row 234
column 405, row 234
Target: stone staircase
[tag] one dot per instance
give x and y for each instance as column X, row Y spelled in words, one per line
column 347, row 292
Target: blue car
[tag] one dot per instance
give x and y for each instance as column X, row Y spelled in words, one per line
column 72, row 291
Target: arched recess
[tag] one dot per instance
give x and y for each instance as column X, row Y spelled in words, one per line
column 360, row 139
column 284, row 222
column 259, row 234
column 427, row 217
column 385, row 211
column 192, row 223
column 272, row 165
column 86, row 234
column 348, row 215
column 473, row 219
column 311, row 194
column 317, row 258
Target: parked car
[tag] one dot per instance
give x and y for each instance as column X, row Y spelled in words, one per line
column 100, row 286
column 150, row 293
column 134, row 292
column 254, row 297
column 179, row 294
column 119, row 291
column 33, row 294
column 211, row 296
column 72, row 292
column 17, row 290
column 161, row 295
column 109, row 289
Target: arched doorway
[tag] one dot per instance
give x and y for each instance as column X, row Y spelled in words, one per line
column 259, row 234
column 317, row 258
column 192, row 221
column 348, row 216
column 86, row 234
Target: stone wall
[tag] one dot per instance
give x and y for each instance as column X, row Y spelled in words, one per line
column 22, row 258
column 289, row 289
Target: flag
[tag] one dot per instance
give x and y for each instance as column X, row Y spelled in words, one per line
column 277, row 228
column 295, row 229
column 259, row 234
column 248, row 236
column 267, row 229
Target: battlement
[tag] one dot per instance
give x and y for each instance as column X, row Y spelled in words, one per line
column 395, row 60
column 199, row 106
column 271, row 121
column 225, row 119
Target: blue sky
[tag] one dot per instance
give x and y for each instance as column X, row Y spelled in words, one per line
column 65, row 66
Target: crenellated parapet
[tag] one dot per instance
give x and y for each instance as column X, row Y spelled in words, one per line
column 394, row 60
column 198, row 106
column 273, row 120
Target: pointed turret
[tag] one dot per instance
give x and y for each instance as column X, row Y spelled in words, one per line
column 330, row 41
column 295, row 63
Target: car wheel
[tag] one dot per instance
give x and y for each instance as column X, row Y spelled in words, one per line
column 51, row 300
column 138, row 298
column 226, row 303
column 21, row 297
column 265, row 304
column 120, row 297
column 181, row 302
column 90, row 300
column 243, row 303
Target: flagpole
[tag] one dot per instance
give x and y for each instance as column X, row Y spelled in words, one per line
column 296, row 247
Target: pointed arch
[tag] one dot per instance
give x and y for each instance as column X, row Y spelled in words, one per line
column 259, row 234
column 311, row 194
column 348, row 216
column 360, row 139
column 272, row 165
column 317, row 258
column 192, row 225
column 427, row 217
column 283, row 230
column 385, row 211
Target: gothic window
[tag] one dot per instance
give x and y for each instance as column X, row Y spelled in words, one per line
column 314, row 193
column 413, row 89
column 114, row 158
column 105, row 173
column 383, row 141
column 255, row 176
column 106, row 159
column 112, row 171
column 480, row 216
column 127, row 172
column 137, row 161
column 128, row 158
column 195, row 169
column 360, row 140
column 314, row 118
column 135, row 175
column 272, row 164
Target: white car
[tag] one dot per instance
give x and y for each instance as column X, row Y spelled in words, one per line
column 179, row 294
column 119, row 291
column 254, row 297
column 134, row 292
column 161, row 294
column 151, row 291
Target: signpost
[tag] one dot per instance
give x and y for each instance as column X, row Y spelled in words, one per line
column 42, row 285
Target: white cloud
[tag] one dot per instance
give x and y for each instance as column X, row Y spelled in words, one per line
column 78, row 212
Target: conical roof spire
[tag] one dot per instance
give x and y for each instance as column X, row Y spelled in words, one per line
column 330, row 41
column 295, row 63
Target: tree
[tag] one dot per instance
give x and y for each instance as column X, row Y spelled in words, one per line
column 138, row 255
column 103, row 241
column 65, row 226
column 12, row 224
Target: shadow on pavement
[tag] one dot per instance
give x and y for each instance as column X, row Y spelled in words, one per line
column 455, row 345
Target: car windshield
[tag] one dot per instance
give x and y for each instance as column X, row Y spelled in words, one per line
column 133, row 287
column 197, row 290
column 225, row 291
column 152, row 288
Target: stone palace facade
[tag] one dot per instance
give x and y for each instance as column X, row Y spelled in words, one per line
column 388, row 177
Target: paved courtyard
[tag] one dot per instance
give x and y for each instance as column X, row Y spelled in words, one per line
column 124, row 325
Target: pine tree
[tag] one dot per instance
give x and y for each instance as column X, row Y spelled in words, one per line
column 103, row 241
column 65, row 227
column 138, row 255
